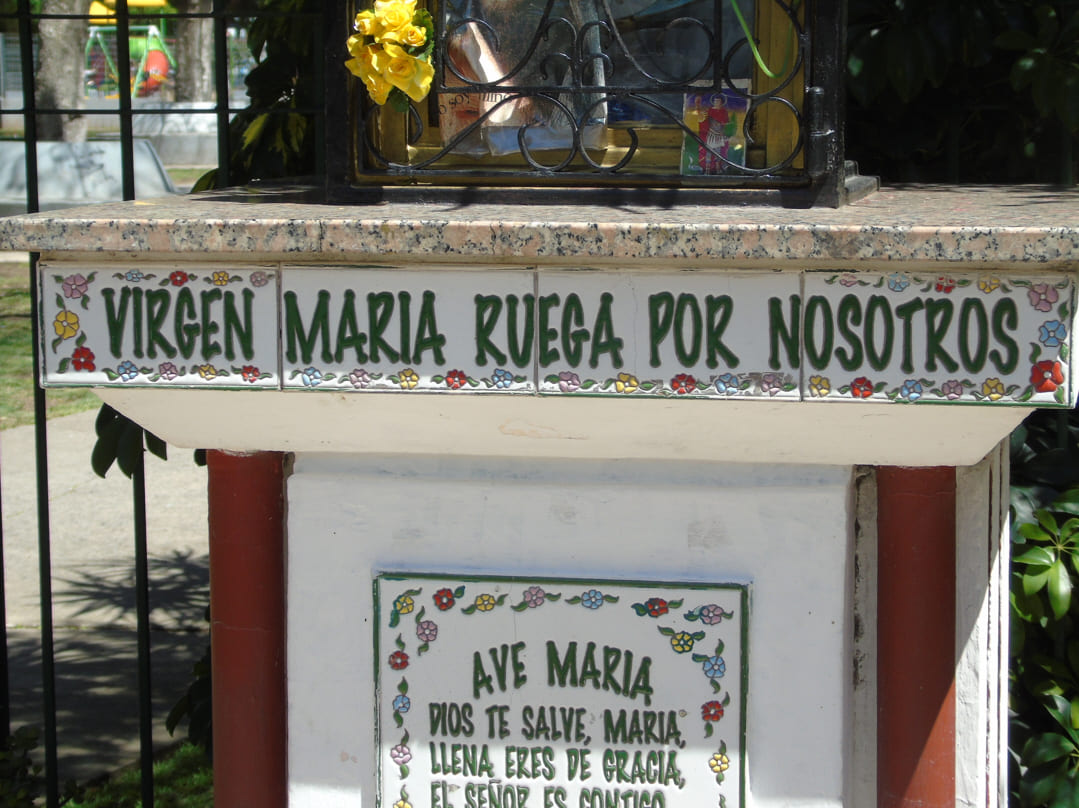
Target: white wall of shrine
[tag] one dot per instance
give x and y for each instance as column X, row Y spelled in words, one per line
column 786, row 530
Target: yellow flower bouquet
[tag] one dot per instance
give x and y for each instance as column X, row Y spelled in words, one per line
column 391, row 52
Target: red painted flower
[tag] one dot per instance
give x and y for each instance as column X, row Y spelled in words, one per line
column 683, row 383
column 83, row 359
column 455, row 380
column 945, row 284
column 398, row 660
column 250, row 373
column 178, row 278
column 711, row 711
column 444, row 599
column 1046, row 376
column 861, row 387
column 656, row 606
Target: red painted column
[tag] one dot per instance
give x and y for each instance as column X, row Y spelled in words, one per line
column 916, row 637
column 247, row 610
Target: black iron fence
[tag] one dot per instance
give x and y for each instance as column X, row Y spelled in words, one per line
column 113, row 67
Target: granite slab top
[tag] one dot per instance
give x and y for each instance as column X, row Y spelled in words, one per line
column 1013, row 226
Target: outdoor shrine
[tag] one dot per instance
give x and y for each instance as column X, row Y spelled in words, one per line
column 596, row 437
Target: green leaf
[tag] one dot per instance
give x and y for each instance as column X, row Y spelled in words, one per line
column 156, row 446
column 1045, row 748
column 1060, row 589
column 1036, row 556
column 1035, row 582
column 1029, row 530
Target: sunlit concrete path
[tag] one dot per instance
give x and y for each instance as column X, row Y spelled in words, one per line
column 93, row 577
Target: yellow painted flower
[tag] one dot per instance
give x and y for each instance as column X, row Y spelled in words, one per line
column 719, row 763
column 221, row 279
column 988, row 285
column 402, row 804
column 408, row 74
column 408, row 379
column 404, row 604
column 993, row 389
column 485, row 602
column 626, row 383
column 207, row 371
column 66, row 324
column 819, row 386
column 682, row 642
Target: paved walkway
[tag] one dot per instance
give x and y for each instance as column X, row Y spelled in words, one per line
column 93, row 591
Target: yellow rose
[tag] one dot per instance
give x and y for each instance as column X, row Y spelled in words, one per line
column 408, row 74
column 366, row 24
column 66, row 324
column 365, row 65
column 412, row 36
column 394, row 15
column 356, row 44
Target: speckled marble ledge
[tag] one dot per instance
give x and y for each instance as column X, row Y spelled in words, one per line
column 1006, row 226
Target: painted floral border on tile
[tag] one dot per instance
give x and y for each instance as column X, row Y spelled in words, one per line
column 1049, row 372
column 74, row 293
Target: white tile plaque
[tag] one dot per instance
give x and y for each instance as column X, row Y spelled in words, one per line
column 907, row 337
column 552, row 693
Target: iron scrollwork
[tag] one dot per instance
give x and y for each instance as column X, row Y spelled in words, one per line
column 546, row 81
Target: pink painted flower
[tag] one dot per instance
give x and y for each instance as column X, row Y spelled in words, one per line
column 427, row 630
column 951, row 389
column 534, row 597
column 1042, row 296
column 75, row 286
column 711, row 614
column 568, row 382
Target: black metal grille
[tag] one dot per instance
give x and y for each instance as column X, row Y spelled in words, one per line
column 579, row 92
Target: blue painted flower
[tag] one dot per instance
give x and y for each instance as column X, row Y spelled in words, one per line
column 1052, row 333
column 502, row 378
column 727, row 384
column 312, row 377
column 897, row 282
column 402, row 703
column 133, row 275
column 127, row 370
column 911, row 390
column 714, row 667
column 592, row 599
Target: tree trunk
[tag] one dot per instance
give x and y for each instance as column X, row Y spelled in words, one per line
column 194, row 52
column 60, row 76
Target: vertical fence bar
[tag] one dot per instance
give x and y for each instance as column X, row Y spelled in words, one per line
column 221, row 89
column 138, row 474
column 5, row 689
column 142, row 610
column 48, row 668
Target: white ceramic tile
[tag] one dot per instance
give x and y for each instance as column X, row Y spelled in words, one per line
column 908, row 336
column 152, row 324
column 403, row 328
column 560, row 693
column 682, row 333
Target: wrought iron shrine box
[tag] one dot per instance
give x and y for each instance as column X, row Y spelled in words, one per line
column 714, row 95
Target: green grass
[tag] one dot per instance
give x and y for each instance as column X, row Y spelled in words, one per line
column 16, row 359
column 183, row 778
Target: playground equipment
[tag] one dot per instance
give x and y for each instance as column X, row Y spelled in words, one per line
column 150, row 56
